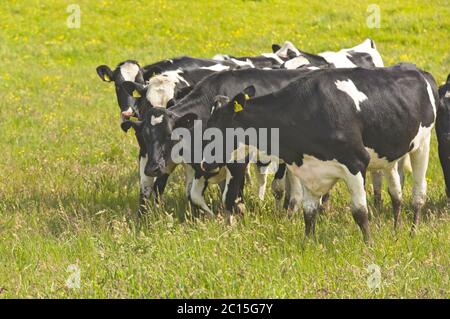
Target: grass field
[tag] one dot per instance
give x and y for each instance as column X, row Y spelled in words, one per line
column 69, row 179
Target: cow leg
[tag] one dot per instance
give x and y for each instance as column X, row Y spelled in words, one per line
column 160, row 182
column 401, row 171
column 278, row 186
column 419, row 164
column 355, row 184
column 325, row 203
column 395, row 192
column 261, row 178
column 146, row 185
column 248, row 176
column 294, row 193
column 233, row 196
column 311, row 204
column 196, row 193
column 189, row 174
column 159, row 185
column 377, row 183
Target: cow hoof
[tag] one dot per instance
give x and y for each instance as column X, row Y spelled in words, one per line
column 240, row 209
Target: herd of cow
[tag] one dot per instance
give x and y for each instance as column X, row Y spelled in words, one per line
column 339, row 115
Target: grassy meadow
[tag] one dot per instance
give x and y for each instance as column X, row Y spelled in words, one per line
column 69, row 178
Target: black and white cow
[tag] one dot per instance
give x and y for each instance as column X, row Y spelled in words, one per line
column 443, row 133
column 364, row 55
column 159, row 124
column 130, row 71
column 337, row 124
column 263, row 61
column 163, row 89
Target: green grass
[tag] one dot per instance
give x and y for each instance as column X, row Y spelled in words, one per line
column 67, row 197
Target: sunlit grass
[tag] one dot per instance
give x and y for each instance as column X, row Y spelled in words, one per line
column 68, row 174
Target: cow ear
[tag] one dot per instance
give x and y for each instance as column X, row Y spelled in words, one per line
column 134, row 89
column 291, row 54
column 186, row 120
column 249, row 92
column 105, row 73
column 239, row 102
column 275, row 47
column 140, row 77
column 136, row 125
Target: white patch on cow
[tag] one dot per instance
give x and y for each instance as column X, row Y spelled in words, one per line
column 339, row 59
column 227, row 181
column 247, row 62
column 423, row 135
column 297, row 62
column 216, row 67
column 273, row 56
column 431, row 96
column 313, row 68
column 196, row 194
column 221, row 57
column 129, row 71
column 161, row 87
column 366, row 47
column 317, row 175
column 282, row 52
column 350, row 88
column 145, row 181
column 447, row 94
column 376, row 162
column 154, row 120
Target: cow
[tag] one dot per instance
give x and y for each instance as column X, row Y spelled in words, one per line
column 443, row 133
column 130, row 71
column 364, row 54
column 337, row 124
column 263, row 61
column 159, row 123
column 163, row 89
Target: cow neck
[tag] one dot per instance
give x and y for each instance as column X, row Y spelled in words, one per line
column 258, row 114
column 199, row 105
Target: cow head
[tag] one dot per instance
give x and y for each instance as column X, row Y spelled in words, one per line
column 162, row 90
column 287, row 51
column 223, row 116
column 129, row 70
column 156, row 130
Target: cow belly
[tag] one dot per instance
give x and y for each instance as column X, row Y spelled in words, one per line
column 317, row 175
column 377, row 162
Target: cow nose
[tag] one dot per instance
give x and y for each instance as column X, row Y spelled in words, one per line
column 152, row 170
